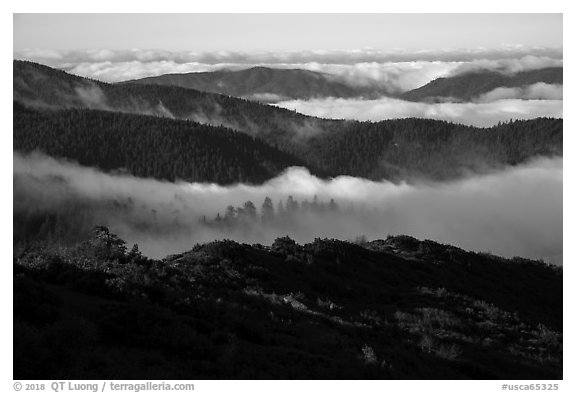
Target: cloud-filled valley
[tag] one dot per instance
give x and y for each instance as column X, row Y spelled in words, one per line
column 517, row 211
column 165, row 217
column 536, row 91
column 385, row 73
column 396, row 70
column 481, row 114
column 318, row 196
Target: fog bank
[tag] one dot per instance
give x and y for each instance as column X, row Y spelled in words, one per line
column 54, row 57
column 391, row 71
column 482, row 114
column 536, row 91
column 517, row 211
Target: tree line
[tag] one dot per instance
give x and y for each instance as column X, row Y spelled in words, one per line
column 406, row 149
column 148, row 146
column 269, row 212
column 269, row 138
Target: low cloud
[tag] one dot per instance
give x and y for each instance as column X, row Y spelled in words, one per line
column 389, row 77
column 508, row 65
column 365, row 55
column 389, row 71
column 266, row 97
column 537, row 91
column 386, row 77
column 122, row 71
column 92, row 97
column 517, row 211
column 480, row 114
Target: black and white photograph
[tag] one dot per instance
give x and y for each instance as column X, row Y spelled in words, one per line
column 287, row 196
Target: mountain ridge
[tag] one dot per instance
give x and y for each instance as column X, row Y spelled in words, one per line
column 264, row 84
column 396, row 150
column 149, row 146
column 396, row 308
column 465, row 87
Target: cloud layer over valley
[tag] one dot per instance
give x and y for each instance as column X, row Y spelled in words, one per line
column 396, row 70
column 517, row 211
column 492, row 109
column 536, row 91
column 382, row 75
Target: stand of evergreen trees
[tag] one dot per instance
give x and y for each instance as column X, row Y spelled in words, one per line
column 148, row 146
column 269, row 213
column 397, row 150
column 411, row 149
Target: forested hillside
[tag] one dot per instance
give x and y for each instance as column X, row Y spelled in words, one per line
column 431, row 149
column 404, row 149
column 40, row 86
column 149, row 146
column 263, row 84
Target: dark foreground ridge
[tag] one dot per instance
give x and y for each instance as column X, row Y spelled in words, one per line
column 398, row 308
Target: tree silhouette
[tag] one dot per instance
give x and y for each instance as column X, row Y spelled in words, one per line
column 267, row 210
column 108, row 245
column 250, row 210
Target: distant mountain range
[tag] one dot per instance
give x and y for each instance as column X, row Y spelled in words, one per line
column 264, row 84
column 43, row 86
column 468, row 86
column 40, row 86
column 272, row 85
column 396, row 150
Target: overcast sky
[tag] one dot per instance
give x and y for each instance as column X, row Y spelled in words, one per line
column 284, row 32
